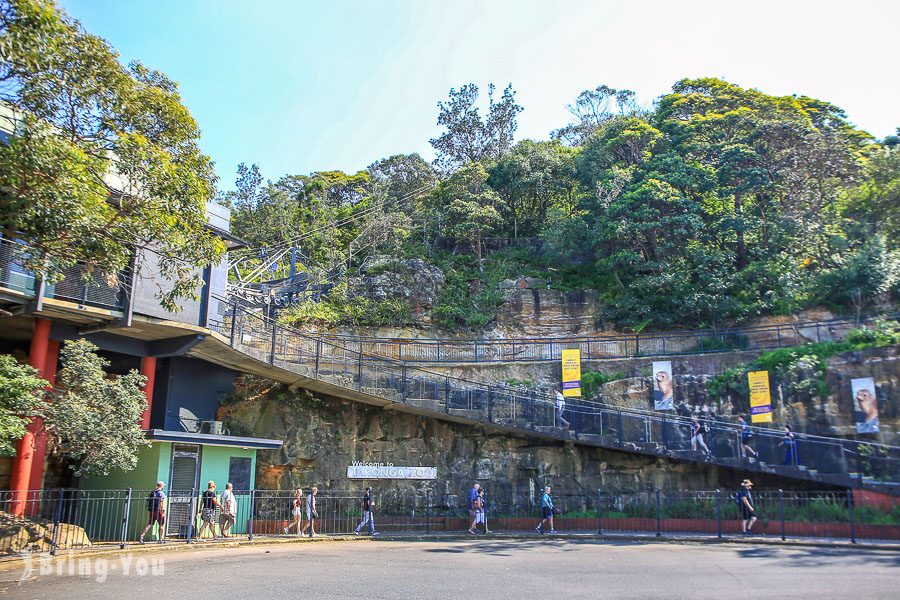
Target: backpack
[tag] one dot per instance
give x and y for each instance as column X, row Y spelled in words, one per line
column 153, row 502
column 738, row 499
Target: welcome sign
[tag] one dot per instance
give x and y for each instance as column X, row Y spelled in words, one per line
column 361, row 470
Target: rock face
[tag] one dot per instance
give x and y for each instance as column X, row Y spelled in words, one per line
column 18, row 534
column 323, row 436
column 387, row 278
column 530, row 309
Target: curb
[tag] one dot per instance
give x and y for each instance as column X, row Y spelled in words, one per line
column 12, row 563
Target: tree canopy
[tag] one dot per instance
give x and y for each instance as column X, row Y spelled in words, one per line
column 102, row 158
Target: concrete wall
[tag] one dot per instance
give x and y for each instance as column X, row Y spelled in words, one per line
column 193, row 390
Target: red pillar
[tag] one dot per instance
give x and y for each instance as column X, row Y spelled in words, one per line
column 21, row 466
column 36, row 480
column 148, row 370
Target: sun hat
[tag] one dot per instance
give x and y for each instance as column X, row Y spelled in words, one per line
column 746, row 482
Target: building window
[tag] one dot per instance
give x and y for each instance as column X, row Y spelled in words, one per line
column 239, row 473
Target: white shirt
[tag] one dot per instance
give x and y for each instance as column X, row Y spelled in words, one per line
column 229, row 505
column 560, row 401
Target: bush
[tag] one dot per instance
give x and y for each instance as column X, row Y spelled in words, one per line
column 592, row 381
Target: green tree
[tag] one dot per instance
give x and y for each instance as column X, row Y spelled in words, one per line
column 94, row 419
column 591, row 109
column 468, row 205
column 102, row 159
column 21, row 399
column 467, row 138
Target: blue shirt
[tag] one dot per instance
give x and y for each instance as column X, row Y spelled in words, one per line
column 546, row 502
column 473, row 496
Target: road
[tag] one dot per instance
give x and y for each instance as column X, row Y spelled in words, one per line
column 504, row 569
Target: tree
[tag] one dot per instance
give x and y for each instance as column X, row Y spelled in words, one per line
column 468, row 138
column 94, row 419
column 468, row 205
column 592, row 108
column 21, row 399
column 103, row 159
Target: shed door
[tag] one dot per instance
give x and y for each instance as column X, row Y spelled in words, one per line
column 183, row 487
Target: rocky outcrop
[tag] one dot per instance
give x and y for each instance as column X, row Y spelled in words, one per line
column 530, row 309
column 386, row 278
column 18, row 534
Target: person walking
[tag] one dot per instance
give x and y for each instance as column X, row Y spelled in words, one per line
column 229, row 510
column 296, row 512
column 481, row 511
column 746, row 438
column 560, row 409
column 312, row 511
column 209, row 511
column 790, row 447
column 697, row 436
column 368, row 506
column 156, row 506
column 547, row 510
column 745, row 502
column 471, row 502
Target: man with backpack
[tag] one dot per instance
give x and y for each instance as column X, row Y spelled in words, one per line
column 157, row 509
column 745, row 504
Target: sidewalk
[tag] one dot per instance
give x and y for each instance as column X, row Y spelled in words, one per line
column 14, row 562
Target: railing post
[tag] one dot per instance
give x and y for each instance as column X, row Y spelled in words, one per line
column 719, row 513
column 252, row 512
column 318, row 355
column 658, row 515
column 447, row 394
column 57, row 519
column 359, row 381
column 272, row 353
column 850, row 513
column 233, row 324
column 490, row 404
column 427, row 511
column 127, row 514
column 599, row 512
column 778, row 336
column 619, row 428
column 403, row 380
column 781, row 511
column 192, row 519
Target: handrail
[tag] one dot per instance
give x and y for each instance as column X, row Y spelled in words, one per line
column 604, row 346
column 530, row 410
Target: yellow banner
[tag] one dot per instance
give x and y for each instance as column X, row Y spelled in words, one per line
column 760, row 398
column 571, row 372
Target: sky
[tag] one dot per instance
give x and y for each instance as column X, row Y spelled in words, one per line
column 314, row 85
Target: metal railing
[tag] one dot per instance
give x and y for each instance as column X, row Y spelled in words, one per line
column 847, row 462
column 76, row 284
column 440, row 350
column 68, row 519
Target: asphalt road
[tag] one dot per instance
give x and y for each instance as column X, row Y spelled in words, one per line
column 506, row 569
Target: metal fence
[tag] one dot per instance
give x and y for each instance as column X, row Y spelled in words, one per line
column 441, row 351
column 833, row 460
column 62, row 519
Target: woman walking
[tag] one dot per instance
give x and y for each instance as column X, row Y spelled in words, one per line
column 296, row 512
column 790, row 447
column 697, row 436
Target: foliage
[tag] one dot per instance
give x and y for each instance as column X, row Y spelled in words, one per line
column 340, row 308
column 469, row 139
column 94, row 419
column 592, row 381
column 104, row 158
column 21, row 398
column 720, row 343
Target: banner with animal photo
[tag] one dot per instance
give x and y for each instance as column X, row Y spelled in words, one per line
column 663, row 386
column 865, row 404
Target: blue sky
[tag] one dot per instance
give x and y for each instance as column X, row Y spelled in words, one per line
column 301, row 86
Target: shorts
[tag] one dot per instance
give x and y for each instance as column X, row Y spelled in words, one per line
column 472, row 512
column 226, row 520
column 210, row 515
column 310, row 516
column 546, row 512
column 298, row 512
column 479, row 516
column 157, row 516
column 746, row 513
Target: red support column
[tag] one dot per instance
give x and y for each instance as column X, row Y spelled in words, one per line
column 148, row 370
column 36, row 481
column 21, row 466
